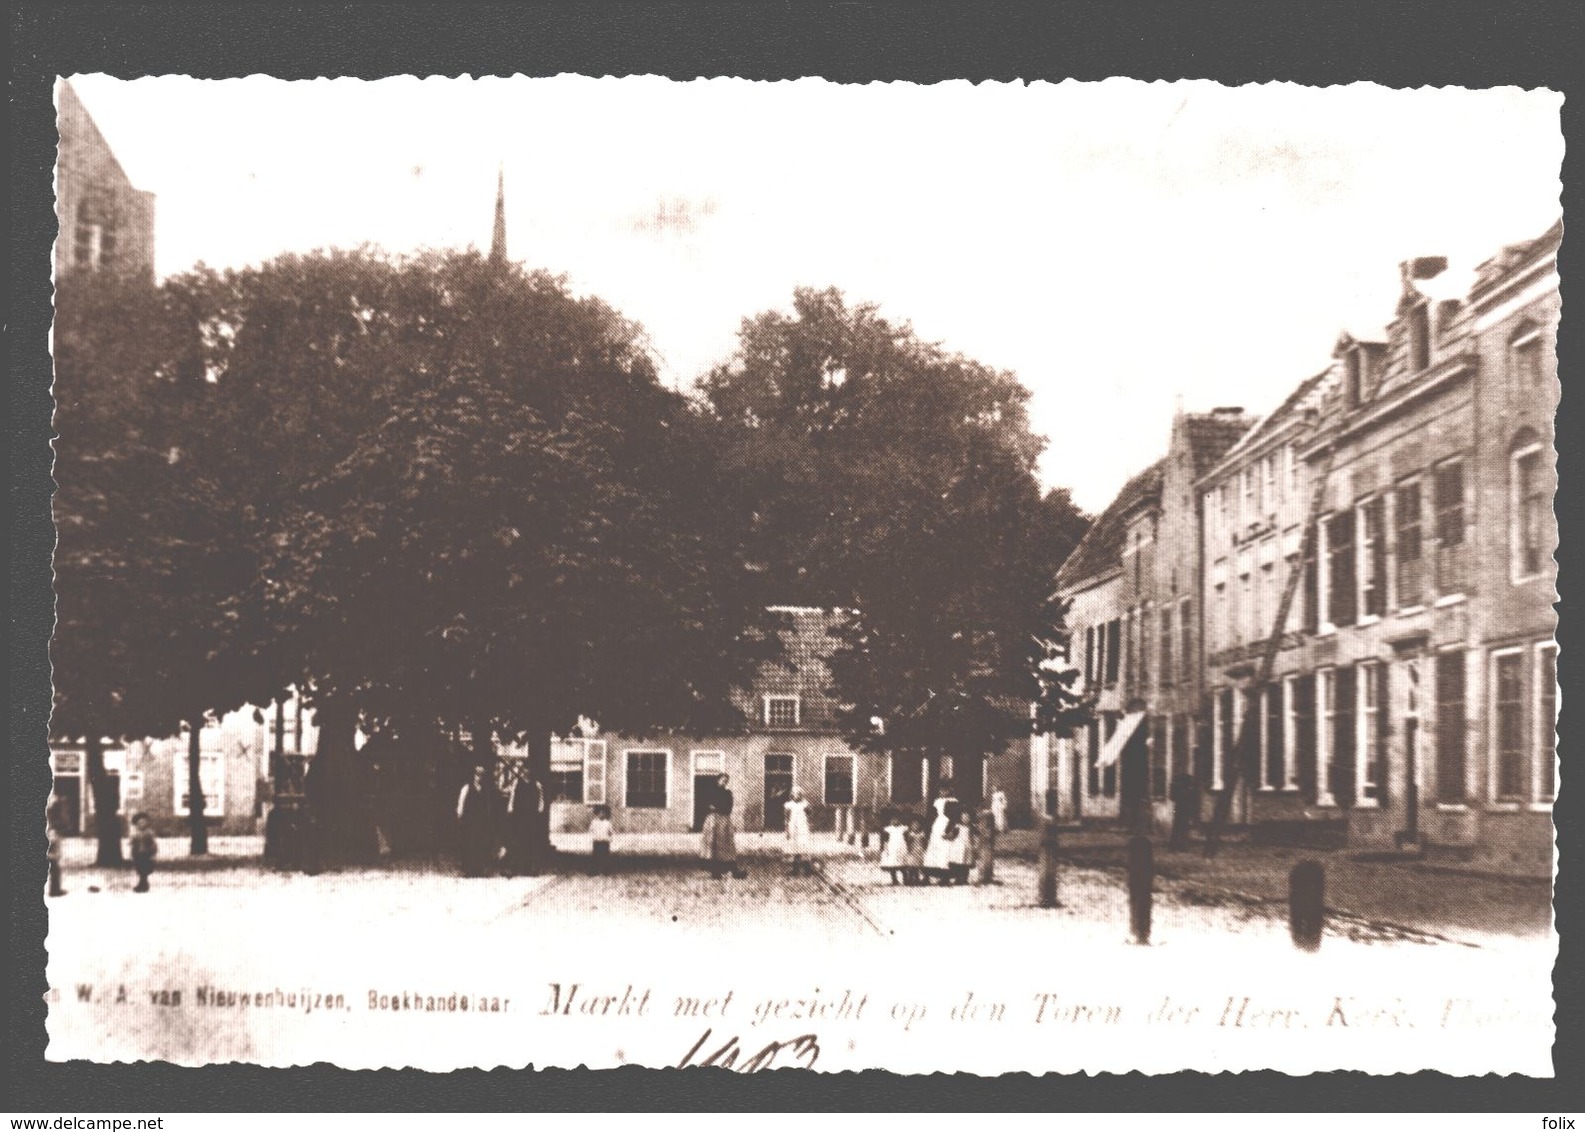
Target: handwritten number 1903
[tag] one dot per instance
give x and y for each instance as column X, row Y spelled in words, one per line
column 804, row 1048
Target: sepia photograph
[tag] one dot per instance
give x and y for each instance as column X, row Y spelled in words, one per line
column 1015, row 577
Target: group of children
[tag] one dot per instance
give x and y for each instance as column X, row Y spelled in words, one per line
column 913, row 857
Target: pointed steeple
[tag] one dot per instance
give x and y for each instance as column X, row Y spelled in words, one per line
column 498, row 236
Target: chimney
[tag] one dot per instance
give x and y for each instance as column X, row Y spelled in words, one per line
column 1425, row 267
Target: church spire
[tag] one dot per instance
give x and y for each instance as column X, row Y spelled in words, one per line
column 498, row 236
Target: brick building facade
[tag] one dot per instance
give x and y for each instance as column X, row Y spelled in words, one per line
column 1413, row 695
column 105, row 223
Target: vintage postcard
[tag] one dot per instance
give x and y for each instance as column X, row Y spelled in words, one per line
column 976, row 578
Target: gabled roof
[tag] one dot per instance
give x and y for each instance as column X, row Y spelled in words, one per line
column 1294, row 403
column 1210, row 435
column 1101, row 549
column 801, row 670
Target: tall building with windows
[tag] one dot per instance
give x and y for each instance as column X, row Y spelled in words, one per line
column 1412, row 693
column 105, row 223
column 1134, row 631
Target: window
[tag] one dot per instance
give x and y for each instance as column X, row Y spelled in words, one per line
column 1221, row 631
column 1092, row 762
column 1527, row 507
column 1546, row 723
column 1311, row 584
column 1266, row 603
column 1355, row 378
column 1164, row 640
column 577, row 771
column 1089, row 656
column 648, row 773
column 1270, row 491
column 1326, row 733
column 1449, row 500
column 1109, row 773
column 841, row 780
column 1407, row 557
column 1507, row 728
column 1246, row 497
column 1274, row 755
column 1247, row 629
column 1341, row 595
column 1372, row 732
column 211, row 773
column 1290, row 469
column 1302, row 724
column 1142, row 627
column 1225, row 738
column 907, row 778
column 1186, row 635
column 1373, row 557
column 781, row 711
column 1419, row 338
column 94, row 240
column 1160, row 755
column 1527, row 368
column 1114, row 649
column 1450, row 728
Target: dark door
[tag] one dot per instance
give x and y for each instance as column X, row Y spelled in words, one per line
column 68, row 788
column 778, row 788
column 704, row 788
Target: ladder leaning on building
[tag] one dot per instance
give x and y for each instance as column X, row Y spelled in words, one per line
column 1247, row 747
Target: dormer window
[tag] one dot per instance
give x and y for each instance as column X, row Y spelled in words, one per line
column 781, row 711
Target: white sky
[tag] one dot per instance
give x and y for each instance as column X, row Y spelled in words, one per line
column 1117, row 244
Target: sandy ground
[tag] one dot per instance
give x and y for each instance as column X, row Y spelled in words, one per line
column 882, row 975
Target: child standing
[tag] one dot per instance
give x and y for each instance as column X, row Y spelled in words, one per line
column 144, row 849
column 894, row 848
column 600, row 835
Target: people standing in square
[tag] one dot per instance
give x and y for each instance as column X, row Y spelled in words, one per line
column 143, row 848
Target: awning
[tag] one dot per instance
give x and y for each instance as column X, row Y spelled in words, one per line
column 1113, row 748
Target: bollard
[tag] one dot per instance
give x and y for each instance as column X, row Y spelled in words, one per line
column 1141, row 879
column 1307, row 905
column 987, row 861
column 1048, row 866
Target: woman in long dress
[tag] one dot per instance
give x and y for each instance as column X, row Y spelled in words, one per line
column 798, row 833
column 940, row 852
column 720, row 839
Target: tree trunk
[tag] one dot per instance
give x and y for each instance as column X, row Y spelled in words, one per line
column 198, row 829
column 334, row 818
column 107, row 824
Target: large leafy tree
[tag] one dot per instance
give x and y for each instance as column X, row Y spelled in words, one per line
column 484, row 513
column 885, row 476
column 153, row 561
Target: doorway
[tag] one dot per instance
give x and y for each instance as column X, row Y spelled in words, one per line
column 68, row 788
column 778, row 789
column 708, row 766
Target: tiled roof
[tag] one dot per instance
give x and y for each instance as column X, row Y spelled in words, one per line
column 801, row 670
column 1210, row 435
column 1273, row 420
column 1101, row 549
